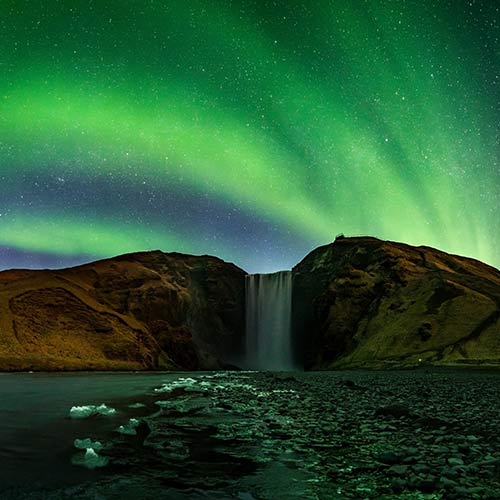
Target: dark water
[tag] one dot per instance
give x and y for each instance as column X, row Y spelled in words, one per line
column 36, row 433
column 201, row 436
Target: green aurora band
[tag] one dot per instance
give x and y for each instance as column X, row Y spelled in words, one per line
column 314, row 118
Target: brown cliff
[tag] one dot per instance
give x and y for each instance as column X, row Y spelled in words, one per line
column 357, row 302
column 363, row 302
column 139, row 311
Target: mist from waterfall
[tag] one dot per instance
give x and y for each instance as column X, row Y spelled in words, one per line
column 268, row 321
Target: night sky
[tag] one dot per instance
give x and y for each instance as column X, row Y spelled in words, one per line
column 253, row 130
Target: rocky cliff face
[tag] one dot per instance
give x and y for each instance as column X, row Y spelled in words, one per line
column 362, row 302
column 138, row 311
column 358, row 302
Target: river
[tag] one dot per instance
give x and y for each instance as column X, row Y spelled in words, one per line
column 36, row 432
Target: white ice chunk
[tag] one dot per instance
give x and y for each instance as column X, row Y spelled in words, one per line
column 91, row 459
column 184, row 382
column 84, row 444
column 137, row 405
column 82, row 411
column 87, row 411
column 130, row 428
column 102, row 409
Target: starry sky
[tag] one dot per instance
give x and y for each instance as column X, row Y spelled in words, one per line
column 254, row 130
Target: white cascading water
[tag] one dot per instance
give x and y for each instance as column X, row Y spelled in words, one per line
column 268, row 321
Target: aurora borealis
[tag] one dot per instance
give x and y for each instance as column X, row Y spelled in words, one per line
column 252, row 130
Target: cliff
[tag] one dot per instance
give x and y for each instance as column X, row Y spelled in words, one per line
column 139, row 311
column 357, row 303
column 363, row 302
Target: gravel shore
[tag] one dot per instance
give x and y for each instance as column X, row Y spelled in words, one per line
column 425, row 434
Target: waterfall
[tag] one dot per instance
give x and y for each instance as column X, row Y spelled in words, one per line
column 268, row 321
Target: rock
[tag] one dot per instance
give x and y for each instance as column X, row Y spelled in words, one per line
column 351, row 385
column 448, row 483
column 421, row 469
column 465, row 492
column 489, row 460
column 472, row 439
column 387, row 457
column 398, row 486
column 396, row 411
column 363, row 302
column 450, row 472
column 427, row 485
column 441, row 449
column 433, row 423
column 398, row 470
column 464, row 448
column 138, row 311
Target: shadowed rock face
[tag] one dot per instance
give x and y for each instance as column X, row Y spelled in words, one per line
column 138, row 311
column 362, row 302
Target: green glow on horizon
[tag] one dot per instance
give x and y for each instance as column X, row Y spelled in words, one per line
column 71, row 236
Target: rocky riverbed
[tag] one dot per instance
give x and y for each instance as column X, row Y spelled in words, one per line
column 426, row 434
